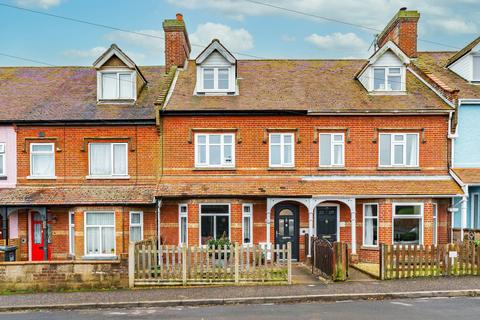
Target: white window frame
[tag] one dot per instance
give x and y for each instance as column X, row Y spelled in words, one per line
column 476, row 56
column 435, row 223
column 231, row 79
column 420, row 217
column 32, row 153
column 71, row 233
column 387, row 74
column 112, row 174
column 130, row 225
column 392, row 150
column 101, row 227
column 472, row 207
column 371, row 218
column 215, row 223
column 333, row 143
column 250, row 216
column 223, row 162
column 283, row 163
column 117, row 73
column 3, row 155
column 182, row 214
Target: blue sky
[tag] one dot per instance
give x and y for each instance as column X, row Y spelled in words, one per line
column 244, row 27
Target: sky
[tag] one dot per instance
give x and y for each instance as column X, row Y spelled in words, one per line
column 246, row 28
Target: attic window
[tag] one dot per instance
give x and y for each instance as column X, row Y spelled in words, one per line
column 476, row 67
column 387, row 79
column 117, row 85
column 216, row 79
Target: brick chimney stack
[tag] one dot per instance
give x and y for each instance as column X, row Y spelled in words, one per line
column 177, row 44
column 402, row 30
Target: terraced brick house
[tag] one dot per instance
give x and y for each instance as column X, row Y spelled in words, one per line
column 266, row 151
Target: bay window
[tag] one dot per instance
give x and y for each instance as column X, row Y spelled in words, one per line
column 387, row 79
column 214, row 150
column 214, row 222
column 247, row 224
column 42, row 160
column 408, row 223
column 100, row 233
column 281, row 149
column 183, row 224
column 370, row 224
column 398, row 149
column 332, row 149
column 136, row 226
column 108, row 159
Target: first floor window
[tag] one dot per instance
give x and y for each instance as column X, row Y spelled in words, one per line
column 100, row 233
column 71, row 223
column 42, row 160
column 370, row 225
column 3, row 172
column 398, row 149
column 281, row 149
column 435, row 223
column 331, row 149
column 108, row 159
column 247, row 224
column 183, row 223
column 214, row 222
column 214, row 150
column 407, row 223
column 136, row 226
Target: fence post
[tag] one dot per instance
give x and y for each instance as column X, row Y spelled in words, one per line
column 131, row 264
column 184, row 265
column 289, row 262
column 237, row 264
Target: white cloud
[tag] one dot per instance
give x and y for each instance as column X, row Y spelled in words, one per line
column 45, row 4
column 454, row 26
column 232, row 39
column 338, row 41
column 154, row 42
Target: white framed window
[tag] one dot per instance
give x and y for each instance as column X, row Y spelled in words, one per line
column 435, row 223
column 214, row 222
column 475, row 210
column 99, row 233
column 108, row 159
column 247, row 224
column 370, row 224
column 388, row 78
column 282, row 149
column 476, row 67
column 407, row 223
column 3, row 170
column 71, row 233
column 183, row 224
column 398, row 150
column 216, row 79
column 136, row 226
column 42, row 160
column 117, row 85
column 214, row 150
column 332, row 150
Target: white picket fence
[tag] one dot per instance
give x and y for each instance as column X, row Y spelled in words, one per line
column 150, row 264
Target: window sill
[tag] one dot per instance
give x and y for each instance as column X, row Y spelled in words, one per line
column 214, row 169
column 331, row 168
column 116, row 101
column 107, row 177
column 41, row 178
column 100, row 257
column 387, row 93
column 281, row 169
column 373, row 248
column 399, row 168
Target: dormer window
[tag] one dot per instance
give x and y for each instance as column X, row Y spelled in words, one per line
column 476, row 67
column 117, row 85
column 387, row 79
column 216, row 79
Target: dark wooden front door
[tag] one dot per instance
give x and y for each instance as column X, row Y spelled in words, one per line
column 327, row 223
column 287, row 226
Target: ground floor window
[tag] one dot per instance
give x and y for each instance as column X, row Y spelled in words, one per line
column 435, row 223
column 71, row 223
column 136, row 226
column 247, row 224
column 214, row 222
column 100, row 233
column 407, row 223
column 183, row 223
column 370, row 224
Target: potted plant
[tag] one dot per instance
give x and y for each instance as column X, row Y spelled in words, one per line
column 221, row 244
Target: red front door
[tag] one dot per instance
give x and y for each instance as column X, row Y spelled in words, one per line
column 38, row 239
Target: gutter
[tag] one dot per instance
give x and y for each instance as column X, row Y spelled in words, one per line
column 460, row 182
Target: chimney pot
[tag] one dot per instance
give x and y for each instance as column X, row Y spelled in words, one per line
column 179, row 17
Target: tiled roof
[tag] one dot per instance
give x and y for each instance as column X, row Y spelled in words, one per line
column 284, row 187
column 301, row 85
column 468, row 175
column 69, row 93
column 434, row 63
column 78, row 195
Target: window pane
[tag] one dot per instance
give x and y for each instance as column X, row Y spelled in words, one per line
column 43, row 165
column 246, row 230
column 135, row 218
column 227, row 153
column 100, row 159
column 207, row 231
column 208, row 79
column 406, row 231
column 221, row 227
column 214, row 208
column 371, row 211
column 394, row 70
column 108, row 240
column 287, row 154
column 407, row 210
column 394, row 83
column 227, row 139
column 476, row 68
column 338, row 154
column 371, row 236
column 120, row 159
column 2, row 169
column 379, row 79
column 202, row 154
column 325, row 150
column 275, row 155
column 135, row 233
column 412, row 149
column 214, row 154
column 93, row 240
column 385, row 140
column 215, row 139
column 202, row 139
column 398, row 154
column 183, row 230
column 126, row 86
column 287, row 138
column 274, row 138
column 42, row 148
column 100, row 218
column 475, row 211
column 398, row 137
column 109, row 85
column 222, row 78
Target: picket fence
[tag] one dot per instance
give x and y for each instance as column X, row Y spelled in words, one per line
column 150, row 264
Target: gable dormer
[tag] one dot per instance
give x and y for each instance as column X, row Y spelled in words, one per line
column 385, row 71
column 118, row 77
column 466, row 62
column 216, row 71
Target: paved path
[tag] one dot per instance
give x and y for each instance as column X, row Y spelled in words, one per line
column 421, row 309
column 407, row 285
